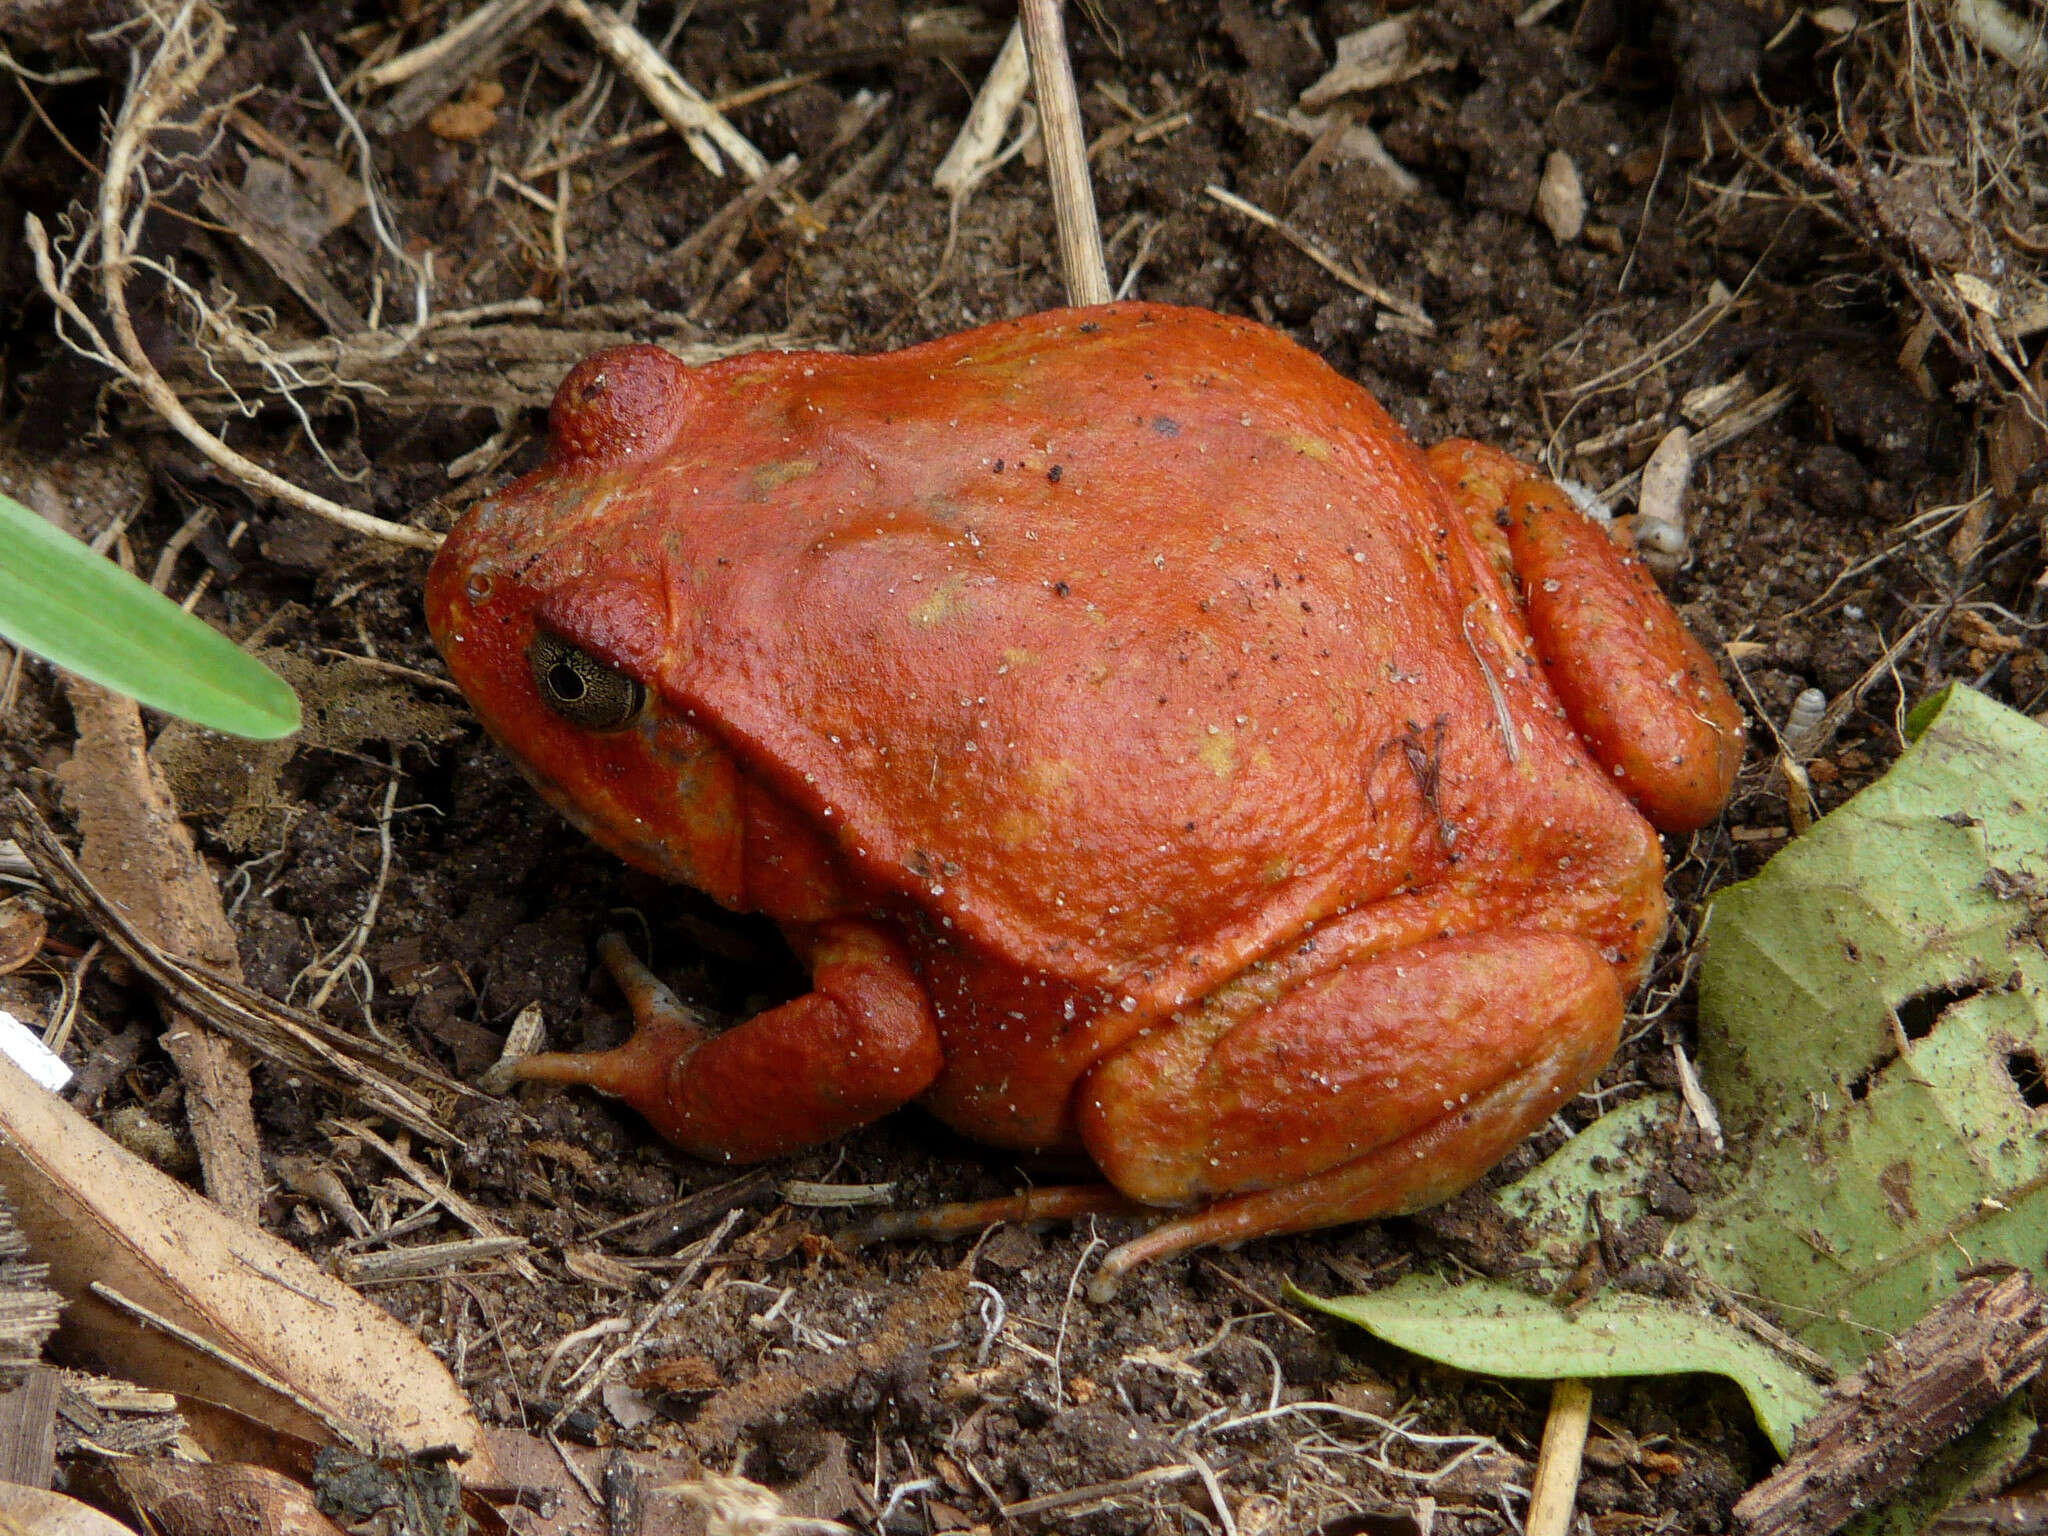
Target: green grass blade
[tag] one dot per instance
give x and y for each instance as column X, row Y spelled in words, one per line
column 60, row 600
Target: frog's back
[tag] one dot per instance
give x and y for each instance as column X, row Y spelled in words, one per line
column 1131, row 641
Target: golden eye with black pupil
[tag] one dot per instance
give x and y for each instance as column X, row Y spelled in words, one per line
column 580, row 688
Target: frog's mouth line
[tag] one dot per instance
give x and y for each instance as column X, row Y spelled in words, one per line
column 645, row 853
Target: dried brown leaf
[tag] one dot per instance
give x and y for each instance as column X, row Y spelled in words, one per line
column 317, row 1360
column 22, row 930
column 191, row 1498
column 35, row 1512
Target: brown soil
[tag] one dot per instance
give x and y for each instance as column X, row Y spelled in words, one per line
column 1816, row 546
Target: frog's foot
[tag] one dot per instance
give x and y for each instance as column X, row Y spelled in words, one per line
column 860, row 1044
column 1641, row 691
column 1059, row 1202
column 1371, row 1089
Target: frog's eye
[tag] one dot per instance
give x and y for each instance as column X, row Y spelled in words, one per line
column 582, row 689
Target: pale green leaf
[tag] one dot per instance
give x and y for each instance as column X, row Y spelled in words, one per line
column 1551, row 1201
column 1501, row 1330
column 1874, row 1026
column 86, row 614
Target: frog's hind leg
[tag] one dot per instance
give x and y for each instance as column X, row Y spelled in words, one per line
column 1373, row 1088
column 860, row 1043
column 1641, row 692
column 1057, row 1202
column 1422, row 1169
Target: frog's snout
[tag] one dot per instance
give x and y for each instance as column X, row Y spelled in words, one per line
column 617, row 405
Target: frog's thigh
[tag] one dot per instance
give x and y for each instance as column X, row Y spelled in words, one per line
column 1410, row 1075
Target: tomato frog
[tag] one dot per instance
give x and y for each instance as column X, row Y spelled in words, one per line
column 1147, row 748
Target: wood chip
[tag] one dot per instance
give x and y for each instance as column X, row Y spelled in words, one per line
column 1561, row 198
column 1379, row 55
column 425, row 1259
column 1709, row 402
column 204, row 1498
column 28, row 1428
column 981, row 136
column 1907, row 1402
column 22, row 931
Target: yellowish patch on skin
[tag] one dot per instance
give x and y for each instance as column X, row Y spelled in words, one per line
column 942, row 604
column 772, row 477
column 1016, row 658
column 1020, row 828
column 1277, row 870
column 1314, row 447
column 1216, row 750
column 743, row 383
column 1049, row 778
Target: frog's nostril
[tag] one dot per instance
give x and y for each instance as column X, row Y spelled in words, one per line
column 478, row 588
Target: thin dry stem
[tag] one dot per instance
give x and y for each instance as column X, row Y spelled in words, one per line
column 1408, row 309
column 1066, row 153
column 680, row 104
column 1557, row 1464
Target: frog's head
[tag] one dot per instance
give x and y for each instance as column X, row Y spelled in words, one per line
column 550, row 603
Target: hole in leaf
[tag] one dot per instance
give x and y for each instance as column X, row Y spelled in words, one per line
column 1919, row 1013
column 1859, row 1085
column 2024, row 1067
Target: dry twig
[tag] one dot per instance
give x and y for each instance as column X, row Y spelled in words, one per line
column 680, row 104
column 1911, row 1398
column 189, row 41
column 1557, row 1464
column 678, row 1292
column 299, row 1042
column 1408, row 309
column 433, row 72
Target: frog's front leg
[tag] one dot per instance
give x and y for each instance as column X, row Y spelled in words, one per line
column 1641, row 692
column 1372, row 1088
column 860, row 1044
